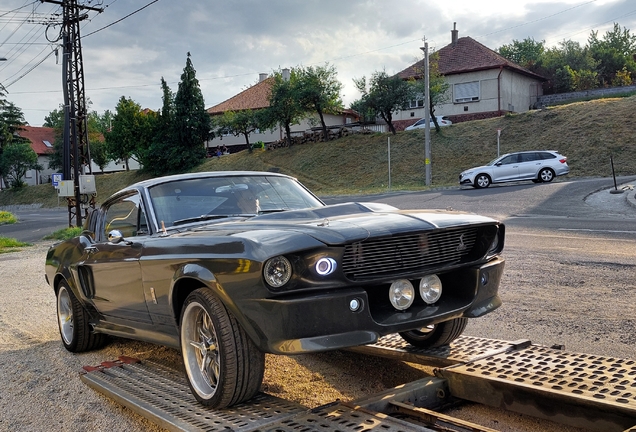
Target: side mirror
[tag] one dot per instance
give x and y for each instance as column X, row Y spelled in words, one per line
column 115, row 236
column 498, row 164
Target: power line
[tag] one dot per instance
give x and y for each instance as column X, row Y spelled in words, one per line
column 121, row 19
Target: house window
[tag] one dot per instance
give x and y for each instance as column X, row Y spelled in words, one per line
column 47, row 143
column 416, row 103
column 466, row 92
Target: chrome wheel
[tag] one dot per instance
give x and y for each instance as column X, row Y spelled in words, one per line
column 199, row 344
column 65, row 315
column 546, row 175
column 482, row 181
column 222, row 364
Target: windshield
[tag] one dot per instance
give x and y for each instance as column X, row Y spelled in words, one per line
column 199, row 198
column 494, row 161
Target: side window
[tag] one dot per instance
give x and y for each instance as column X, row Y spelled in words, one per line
column 510, row 159
column 529, row 157
column 545, row 155
column 127, row 216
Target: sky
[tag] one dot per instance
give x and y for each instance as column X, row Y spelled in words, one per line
column 132, row 44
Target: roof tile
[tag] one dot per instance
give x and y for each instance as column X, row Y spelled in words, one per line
column 37, row 136
column 254, row 97
column 467, row 55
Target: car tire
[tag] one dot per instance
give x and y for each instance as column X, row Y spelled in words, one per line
column 223, row 366
column 437, row 334
column 546, row 175
column 482, row 181
column 73, row 323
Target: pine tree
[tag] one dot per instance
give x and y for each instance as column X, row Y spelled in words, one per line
column 190, row 124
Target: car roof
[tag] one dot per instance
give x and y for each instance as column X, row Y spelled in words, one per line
column 206, row 174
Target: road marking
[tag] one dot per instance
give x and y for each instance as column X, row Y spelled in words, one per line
column 593, row 230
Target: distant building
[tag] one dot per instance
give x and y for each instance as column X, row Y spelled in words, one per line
column 483, row 84
column 257, row 97
column 41, row 140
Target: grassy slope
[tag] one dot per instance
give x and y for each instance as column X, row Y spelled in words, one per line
column 586, row 132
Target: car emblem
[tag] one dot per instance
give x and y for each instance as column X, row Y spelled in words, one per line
column 461, row 246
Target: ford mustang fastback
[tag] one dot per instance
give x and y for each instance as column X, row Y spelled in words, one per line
column 228, row 266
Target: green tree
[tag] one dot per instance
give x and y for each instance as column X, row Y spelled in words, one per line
column 243, row 122
column 11, row 122
column 385, row 95
column 614, row 52
column 16, row 159
column 125, row 136
column 155, row 152
column 526, row 53
column 561, row 64
column 319, row 91
column 99, row 155
column 285, row 108
column 190, row 124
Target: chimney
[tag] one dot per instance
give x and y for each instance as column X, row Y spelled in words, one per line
column 286, row 74
column 262, row 77
column 454, row 34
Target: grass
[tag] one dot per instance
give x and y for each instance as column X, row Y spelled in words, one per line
column 64, row 234
column 586, row 132
column 7, row 218
column 11, row 245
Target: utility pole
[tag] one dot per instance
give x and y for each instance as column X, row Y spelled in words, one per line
column 427, row 117
column 76, row 150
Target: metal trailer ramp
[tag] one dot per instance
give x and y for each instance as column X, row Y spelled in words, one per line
column 161, row 394
column 582, row 390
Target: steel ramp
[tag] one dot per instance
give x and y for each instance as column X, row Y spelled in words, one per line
column 161, row 394
column 582, row 390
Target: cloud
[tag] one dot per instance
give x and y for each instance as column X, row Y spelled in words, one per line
column 232, row 42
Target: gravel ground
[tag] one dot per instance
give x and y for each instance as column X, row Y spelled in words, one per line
column 40, row 388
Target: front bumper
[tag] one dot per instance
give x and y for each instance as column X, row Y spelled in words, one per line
column 325, row 321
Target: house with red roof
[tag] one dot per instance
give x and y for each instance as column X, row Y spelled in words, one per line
column 42, row 139
column 482, row 84
column 257, row 97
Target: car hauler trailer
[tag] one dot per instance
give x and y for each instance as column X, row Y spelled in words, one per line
column 587, row 391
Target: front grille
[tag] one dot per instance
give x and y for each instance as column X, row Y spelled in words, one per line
column 402, row 254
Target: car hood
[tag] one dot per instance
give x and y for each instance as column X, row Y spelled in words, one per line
column 479, row 168
column 344, row 223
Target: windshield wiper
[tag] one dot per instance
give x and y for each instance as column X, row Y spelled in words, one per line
column 209, row 217
column 271, row 211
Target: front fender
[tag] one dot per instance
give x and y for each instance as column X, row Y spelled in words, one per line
column 191, row 276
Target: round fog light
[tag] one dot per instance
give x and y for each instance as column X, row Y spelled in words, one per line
column 430, row 288
column 355, row 304
column 401, row 294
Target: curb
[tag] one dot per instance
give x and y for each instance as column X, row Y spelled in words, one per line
column 631, row 197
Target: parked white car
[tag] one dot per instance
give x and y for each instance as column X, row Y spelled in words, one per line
column 421, row 123
column 538, row 166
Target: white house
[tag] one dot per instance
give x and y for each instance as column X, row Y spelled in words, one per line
column 482, row 84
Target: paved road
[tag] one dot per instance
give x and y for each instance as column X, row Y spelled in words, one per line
column 585, row 204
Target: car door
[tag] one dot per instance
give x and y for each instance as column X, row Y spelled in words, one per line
column 113, row 260
column 507, row 169
column 529, row 165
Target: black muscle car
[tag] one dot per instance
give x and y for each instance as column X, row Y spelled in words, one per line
column 227, row 266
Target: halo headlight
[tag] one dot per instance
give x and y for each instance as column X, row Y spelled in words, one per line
column 277, row 271
column 325, row 266
column 401, row 294
column 430, row 288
